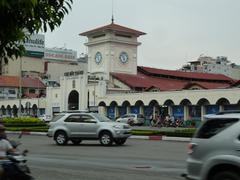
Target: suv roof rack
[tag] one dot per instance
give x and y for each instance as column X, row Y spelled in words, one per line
column 228, row 112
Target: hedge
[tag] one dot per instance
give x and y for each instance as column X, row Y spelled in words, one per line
column 25, row 124
column 176, row 133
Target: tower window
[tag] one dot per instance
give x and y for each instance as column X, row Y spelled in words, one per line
column 98, row 36
column 123, row 35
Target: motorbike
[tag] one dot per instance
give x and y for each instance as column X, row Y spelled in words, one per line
column 15, row 166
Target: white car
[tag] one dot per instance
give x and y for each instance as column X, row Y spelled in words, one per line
column 132, row 119
column 45, row 118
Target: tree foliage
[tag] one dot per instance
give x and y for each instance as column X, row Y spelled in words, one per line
column 19, row 18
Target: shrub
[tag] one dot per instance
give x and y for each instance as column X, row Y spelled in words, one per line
column 21, row 120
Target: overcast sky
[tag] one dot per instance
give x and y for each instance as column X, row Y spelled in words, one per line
column 178, row 31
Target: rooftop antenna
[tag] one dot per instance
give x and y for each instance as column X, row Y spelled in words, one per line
column 112, row 13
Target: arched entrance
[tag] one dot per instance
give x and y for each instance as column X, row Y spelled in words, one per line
column 112, row 111
column 14, row 110
column 34, row 110
column 73, row 100
column 125, row 108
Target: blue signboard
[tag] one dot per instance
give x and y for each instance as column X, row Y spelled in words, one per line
column 178, row 112
column 148, row 111
column 135, row 109
column 195, row 112
column 212, row 109
column 122, row 111
column 232, row 107
column 111, row 112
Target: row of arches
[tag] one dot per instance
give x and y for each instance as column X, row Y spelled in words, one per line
column 13, row 111
column 169, row 102
column 185, row 110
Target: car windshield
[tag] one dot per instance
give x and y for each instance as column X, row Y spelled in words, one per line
column 101, row 118
column 57, row 117
column 140, row 116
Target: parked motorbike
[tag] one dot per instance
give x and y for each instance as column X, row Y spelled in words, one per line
column 15, row 166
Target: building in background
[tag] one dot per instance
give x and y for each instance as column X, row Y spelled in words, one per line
column 31, row 64
column 219, row 65
column 58, row 61
column 31, row 88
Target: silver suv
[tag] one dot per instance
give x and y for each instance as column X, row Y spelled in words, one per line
column 214, row 152
column 87, row 126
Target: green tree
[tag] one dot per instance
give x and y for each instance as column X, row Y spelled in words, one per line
column 19, row 18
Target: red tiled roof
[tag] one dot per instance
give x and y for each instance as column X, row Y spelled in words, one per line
column 114, row 27
column 30, row 95
column 236, row 83
column 27, row 82
column 145, row 80
column 187, row 75
column 207, row 85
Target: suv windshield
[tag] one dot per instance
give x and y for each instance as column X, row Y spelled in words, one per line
column 213, row 126
column 101, row 118
column 57, row 117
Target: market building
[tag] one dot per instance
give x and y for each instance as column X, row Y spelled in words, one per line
column 114, row 84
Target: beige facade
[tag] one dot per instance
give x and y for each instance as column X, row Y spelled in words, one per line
column 57, row 70
column 29, row 64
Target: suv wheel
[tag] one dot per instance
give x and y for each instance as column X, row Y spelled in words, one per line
column 120, row 141
column 226, row 175
column 76, row 141
column 61, row 138
column 106, row 138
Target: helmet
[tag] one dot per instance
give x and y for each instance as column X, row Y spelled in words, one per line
column 2, row 127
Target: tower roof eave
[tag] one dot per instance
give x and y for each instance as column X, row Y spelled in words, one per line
column 113, row 27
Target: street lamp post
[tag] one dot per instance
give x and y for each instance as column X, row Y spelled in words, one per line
column 20, row 89
column 38, row 109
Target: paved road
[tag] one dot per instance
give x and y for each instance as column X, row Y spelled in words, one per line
column 137, row 160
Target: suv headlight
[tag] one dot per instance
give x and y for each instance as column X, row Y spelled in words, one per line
column 117, row 126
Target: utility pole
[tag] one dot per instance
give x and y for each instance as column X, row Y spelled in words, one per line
column 38, row 109
column 20, row 90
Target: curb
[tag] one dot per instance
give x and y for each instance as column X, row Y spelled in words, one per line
column 156, row 138
column 162, row 138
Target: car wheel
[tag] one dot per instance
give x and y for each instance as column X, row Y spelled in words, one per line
column 106, row 138
column 61, row 138
column 226, row 175
column 76, row 141
column 120, row 141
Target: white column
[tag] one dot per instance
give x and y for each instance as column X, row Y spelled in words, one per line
column 203, row 112
column 186, row 112
column 116, row 111
column 141, row 110
column 221, row 108
column 170, row 110
column 128, row 109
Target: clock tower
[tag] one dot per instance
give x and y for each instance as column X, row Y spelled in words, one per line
column 112, row 48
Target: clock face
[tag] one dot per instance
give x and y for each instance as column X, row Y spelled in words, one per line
column 98, row 57
column 123, row 57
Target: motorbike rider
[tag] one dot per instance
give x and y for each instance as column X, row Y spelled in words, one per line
column 7, row 169
column 5, row 146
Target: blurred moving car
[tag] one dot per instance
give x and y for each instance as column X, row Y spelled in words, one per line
column 80, row 126
column 45, row 118
column 214, row 152
column 132, row 119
